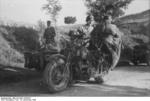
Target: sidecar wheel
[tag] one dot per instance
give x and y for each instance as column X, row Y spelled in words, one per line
column 56, row 75
column 148, row 62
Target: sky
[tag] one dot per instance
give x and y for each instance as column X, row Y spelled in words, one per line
column 30, row 11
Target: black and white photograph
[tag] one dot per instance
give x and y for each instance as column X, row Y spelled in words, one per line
column 74, row 48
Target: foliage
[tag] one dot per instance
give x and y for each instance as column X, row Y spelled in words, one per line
column 70, row 20
column 22, row 38
column 136, row 33
column 98, row 8
column 9, row 55
column 53, row 8
column 27, row 37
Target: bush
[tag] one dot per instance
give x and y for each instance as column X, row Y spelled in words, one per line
column 8, row 55
column 23, row 38
column 70, row 20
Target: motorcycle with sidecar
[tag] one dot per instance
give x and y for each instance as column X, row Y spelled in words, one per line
column 74, row 62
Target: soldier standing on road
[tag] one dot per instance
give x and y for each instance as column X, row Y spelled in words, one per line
column 112, row 35
column 109, row 34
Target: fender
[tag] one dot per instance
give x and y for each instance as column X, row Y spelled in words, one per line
column 54, row 57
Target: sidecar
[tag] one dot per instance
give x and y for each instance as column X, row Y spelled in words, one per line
column 38, row 59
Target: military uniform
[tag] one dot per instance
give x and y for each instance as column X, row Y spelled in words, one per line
column 87, row 29
column 49, row 35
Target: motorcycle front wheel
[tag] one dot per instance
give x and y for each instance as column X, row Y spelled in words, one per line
column 56, row 75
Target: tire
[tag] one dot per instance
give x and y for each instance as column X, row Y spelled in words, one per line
column 55, row 79
column 148, row 62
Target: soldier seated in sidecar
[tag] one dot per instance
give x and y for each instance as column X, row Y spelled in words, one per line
column 37, row 59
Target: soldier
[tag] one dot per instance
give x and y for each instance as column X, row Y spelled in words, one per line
column 49, row 42
column 86, row 30
column 49, row 34
column 88, row 27
column 109, row 9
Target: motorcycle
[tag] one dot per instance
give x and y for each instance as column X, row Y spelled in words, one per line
column 77, row 62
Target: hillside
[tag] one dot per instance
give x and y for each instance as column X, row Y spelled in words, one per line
column 136, row 28
column 8, row 55
column 142, row 17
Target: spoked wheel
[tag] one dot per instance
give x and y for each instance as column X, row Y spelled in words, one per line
column 56, row 75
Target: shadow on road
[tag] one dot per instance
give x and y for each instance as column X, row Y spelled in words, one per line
column 97, row 90
column 108, row 90
column 10, row 74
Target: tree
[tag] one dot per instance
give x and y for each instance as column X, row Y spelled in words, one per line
column 53, row 8
column 98, row 8
column 70, row 20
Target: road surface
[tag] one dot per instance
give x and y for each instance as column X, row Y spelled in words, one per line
column 123, row 81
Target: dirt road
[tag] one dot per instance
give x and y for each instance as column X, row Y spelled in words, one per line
column 123, row 81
